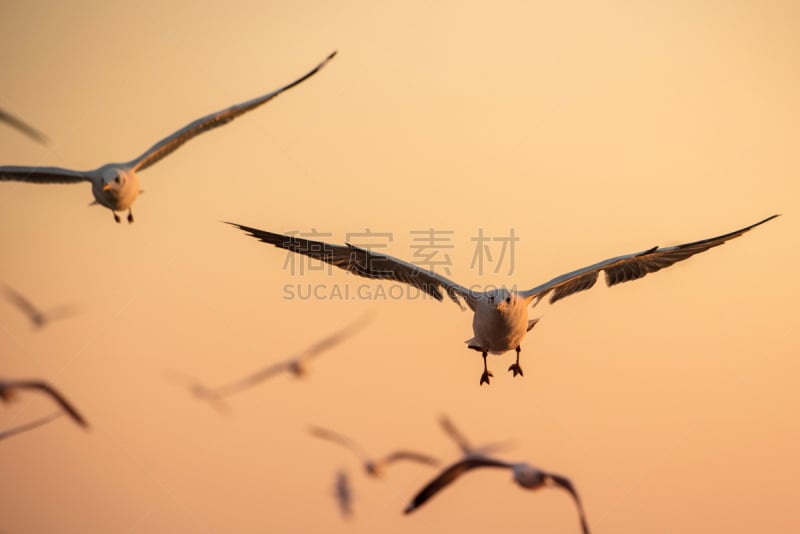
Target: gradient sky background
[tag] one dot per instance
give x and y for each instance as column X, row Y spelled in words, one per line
column 671, row 402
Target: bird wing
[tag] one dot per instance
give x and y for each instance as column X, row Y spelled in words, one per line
column 55, row 395
column 22, row 302
column 338, row 438
column 367, row 264
column 344, row 495
column 7, row 433
column 334, row 339
column 566, row 484
column 43, row 175
column 448, row 476
column 171, row 143
column 23, row 127
column 252, row 379
column 456, row 436
column 628, row 267
column 409, row 455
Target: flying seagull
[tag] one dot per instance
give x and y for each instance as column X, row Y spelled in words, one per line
column 38, row 317
column 23, row 127
column 467, row 449
column 8, row 389
column 297, row 365
column 7, row 433
column 500, row 319
column 525, row 476
column 116, row 185
column 372, row 466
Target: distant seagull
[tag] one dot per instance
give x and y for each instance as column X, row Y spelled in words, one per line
column 296, row 365
column 344, row 494
column 373, row 467
column 501, row 315
column 525, row 476
column 39, row 318
column 9, row 432
column 467, row 449
column 8, row 390
column 23, row 127
column 116, row 185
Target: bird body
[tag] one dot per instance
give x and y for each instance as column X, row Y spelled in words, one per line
column 116, row 185
column 500, row 320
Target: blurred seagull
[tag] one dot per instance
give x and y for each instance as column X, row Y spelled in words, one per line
column 373, row 467
column 501, row 315
column 8, row 390
column 525, row 476
column 296, row 365
column 39, row 318
column 116, row 185
column 7, row 433
column 466, row 448
column 23, row 127
column 344, row 494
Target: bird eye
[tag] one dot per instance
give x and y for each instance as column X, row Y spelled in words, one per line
column 116, row 179
column 508, row 300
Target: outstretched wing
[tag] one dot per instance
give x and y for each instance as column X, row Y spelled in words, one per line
column 411, row 456
column 628, row 267
column 338, row 438
column 455, row 435
column 42, row 175
column 334, row 339
column 367, row 264
column 22, row 302
column 168, row 145
column 252, row 379
column 448, row 476
column 7, row 433
column 23, row 127
column 566, row 484
column 44, row 387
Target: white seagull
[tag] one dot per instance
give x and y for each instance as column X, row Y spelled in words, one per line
column 8, row 389
column 296, row 365
column 372, row 466
column 116, row 185
column 525, row 476
column 501, row 315
column 23, row 127
column 38, row 317
column 8, row 432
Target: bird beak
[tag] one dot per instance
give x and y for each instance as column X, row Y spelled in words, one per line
column 106, row 187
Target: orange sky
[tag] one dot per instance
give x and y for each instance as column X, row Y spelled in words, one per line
column 671, row 402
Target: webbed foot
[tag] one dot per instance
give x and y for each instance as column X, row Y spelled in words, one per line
column 516, row 369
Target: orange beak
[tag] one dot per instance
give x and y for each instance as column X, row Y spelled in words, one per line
column 106, row 187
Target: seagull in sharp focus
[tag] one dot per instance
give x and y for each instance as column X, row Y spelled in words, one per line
column 373, row 467
column 297, row 365
column 500, row 320
column 23, row 127
column 8, row 389
column 38, row 317
column 525, row 476
column 9, row 432
column 116, row 185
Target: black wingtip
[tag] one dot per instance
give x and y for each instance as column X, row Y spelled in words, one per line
column 410, row 508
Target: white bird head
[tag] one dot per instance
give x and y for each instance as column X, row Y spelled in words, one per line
column 502, row 299
column 115, row 179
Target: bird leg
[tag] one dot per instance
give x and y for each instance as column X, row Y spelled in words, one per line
column 486, row 374
column 116, row 217
column 515, row 366
column 130, row 216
